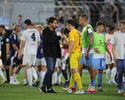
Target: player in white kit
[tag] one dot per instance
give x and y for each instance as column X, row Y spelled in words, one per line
column 30, row 41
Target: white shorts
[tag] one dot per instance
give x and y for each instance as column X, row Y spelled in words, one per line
column 58, row 62
column 29, row 59
column 108, row 60
column 40, row 61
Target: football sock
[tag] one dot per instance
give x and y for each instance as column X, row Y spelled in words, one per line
column 11, row 78
column 55, row 77
column 29, row 75
column 25, row 81
column 72, row 80
column 34, row 73
column 1, row 74
column 108, row 72
column 99, row 80
column 78, row 80
column 113, row 73
column 75, row 84
column 42, row 74
column 59, row 75
column 92, row 82
column 14, row 76
column 7, row 74
column 65, row 74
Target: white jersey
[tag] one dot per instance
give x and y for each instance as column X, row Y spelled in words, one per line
column 31, row 38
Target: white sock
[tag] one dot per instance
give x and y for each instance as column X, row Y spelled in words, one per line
column 34, row 73
column 42, row 74
column 14, row 76
column 25, row 81
column 108, row 72
column 59, row 79
column 92, row 88
column 53, row 79
column 1, row 74
column 11, row 78
column 113, row 73
column 29, row 75
column 55, row 75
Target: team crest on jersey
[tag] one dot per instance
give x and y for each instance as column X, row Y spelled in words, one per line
column 40, row 41
column 21, row 36
column 95, row 65
column 14, row 63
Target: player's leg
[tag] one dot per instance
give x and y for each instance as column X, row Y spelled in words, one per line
column 108, row 73
column 113, row 73
column 11, row 74
column 59, row 73
column 25, row 77
column 3, row 78
column 81, row 65
column 89, row 64
column 7, row 70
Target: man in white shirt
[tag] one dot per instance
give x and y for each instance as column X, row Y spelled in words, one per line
column 30, row 42
column 118, row 41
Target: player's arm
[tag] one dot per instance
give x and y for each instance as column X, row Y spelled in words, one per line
column 7, row 47
column 15, row 47
column 90, row 36
column 70, row 47
column 108, row 52
column 21, row 48
column 113, row 51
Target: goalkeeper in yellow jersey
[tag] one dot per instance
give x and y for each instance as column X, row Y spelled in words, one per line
column 75, row 54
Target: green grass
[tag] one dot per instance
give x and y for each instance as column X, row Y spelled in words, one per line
column 18, row 92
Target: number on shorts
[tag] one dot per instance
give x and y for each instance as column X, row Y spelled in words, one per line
column 33, row 37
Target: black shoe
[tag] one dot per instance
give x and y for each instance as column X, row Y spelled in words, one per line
column 36, row 84
column 51, row 91
column 66, row 83
column 42, row 89
column 25, row 85
column 7, row 82
column 56, row 84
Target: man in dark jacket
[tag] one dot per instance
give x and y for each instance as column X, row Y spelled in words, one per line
column 51, row 51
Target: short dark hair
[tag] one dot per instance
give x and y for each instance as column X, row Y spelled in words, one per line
column 28, row 22
column 2, row 26
column 108, row 26
column 100, row 23
column 66, row 30
column 20, row 16
column 71, row 21
column 111, row 28
column 62, row 30
column 51, row 20
column 84, row 16
column 122, row 22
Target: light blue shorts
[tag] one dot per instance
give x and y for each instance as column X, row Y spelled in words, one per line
column 99, row 63
column 88, row 62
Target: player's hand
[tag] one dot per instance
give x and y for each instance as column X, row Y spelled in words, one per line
column 20, row 56
column 7, row 56
column 96, row 50
column 110, row 58
column 87, row 56
column 115, row 59
column 41, row 51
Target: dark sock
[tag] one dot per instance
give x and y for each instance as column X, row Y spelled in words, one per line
column 65, row 74
column 7, row 75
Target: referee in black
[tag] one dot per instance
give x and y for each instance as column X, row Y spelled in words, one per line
column 5, row 51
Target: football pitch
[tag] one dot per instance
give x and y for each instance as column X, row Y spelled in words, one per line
column 18, row 92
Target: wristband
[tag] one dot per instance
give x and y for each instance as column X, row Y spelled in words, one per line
column 66, row 56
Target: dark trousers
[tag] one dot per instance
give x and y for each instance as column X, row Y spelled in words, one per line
column 120, row 70
column 50, row 61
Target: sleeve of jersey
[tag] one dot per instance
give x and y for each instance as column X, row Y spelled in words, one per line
column 89, row 32
column 23, row 37
column 7, row 39
column 13, row 40
column 72, row 36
